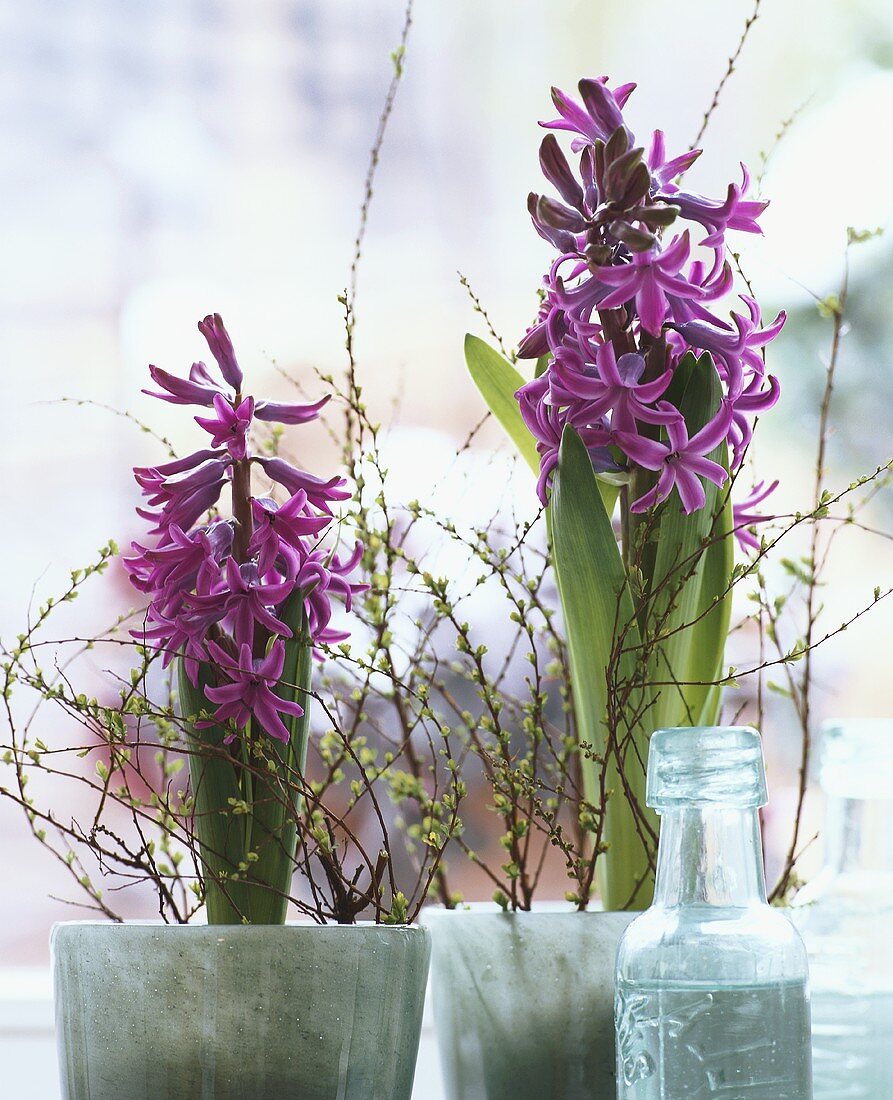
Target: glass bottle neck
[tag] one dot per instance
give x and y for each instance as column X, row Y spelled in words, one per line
column 859, row 834
column 709, row 856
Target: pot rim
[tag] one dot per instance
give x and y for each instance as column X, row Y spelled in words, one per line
column 539, row 909
column 197, row 927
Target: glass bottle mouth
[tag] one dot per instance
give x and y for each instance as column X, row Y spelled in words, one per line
column 703, row 766
column 855, row 758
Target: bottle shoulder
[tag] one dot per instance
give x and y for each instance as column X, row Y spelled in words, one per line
column 753, row 944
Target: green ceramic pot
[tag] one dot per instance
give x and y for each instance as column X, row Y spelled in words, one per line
column 524, row 1003
column 274, row 1012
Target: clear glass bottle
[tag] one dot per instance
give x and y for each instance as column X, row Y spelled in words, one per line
column 846, row 915
column 711, row 994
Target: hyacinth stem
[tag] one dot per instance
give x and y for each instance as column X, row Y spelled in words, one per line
column 247, row 804
column 241, row 496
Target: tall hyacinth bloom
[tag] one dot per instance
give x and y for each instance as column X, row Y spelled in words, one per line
column 638, row 283
column 219, row 583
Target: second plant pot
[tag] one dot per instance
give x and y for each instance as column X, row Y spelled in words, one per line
column 524, row 1002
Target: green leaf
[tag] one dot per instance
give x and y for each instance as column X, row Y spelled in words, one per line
column 215, row 787
column 498, row 381
column 688, row 608
column 296, row 678
column 602, row 636
column 713, row 613
column 263, row 837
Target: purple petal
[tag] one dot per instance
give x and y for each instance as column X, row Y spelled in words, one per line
column 691, row 491
column 280, row 413
column 179, row 390
column 214, row 331
column 646, row 452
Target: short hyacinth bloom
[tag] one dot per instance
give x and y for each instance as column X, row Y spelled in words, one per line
column 638, row 283
column 218, row 584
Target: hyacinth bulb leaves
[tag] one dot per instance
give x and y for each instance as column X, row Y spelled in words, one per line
column 602, row 637
column 248, row 857
column 712, row 618
column 217, row 788
column 690, row 606
column 296, row 677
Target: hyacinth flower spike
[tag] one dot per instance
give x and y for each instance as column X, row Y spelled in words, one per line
column 240, row 603
column 636, row 356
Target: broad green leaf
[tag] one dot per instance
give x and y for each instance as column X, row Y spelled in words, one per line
column 277, row 802
column 498, row 381
column 709, row 634
column 214, row 775
column 264, row 837
column 686, row 579
column 296, row 678
column 601, row 634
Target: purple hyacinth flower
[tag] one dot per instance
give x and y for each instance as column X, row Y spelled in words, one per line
column 321, row 494
column 558, row 172
column 733, row 349
column 715, row 282
column 174, row 635
column 546, row 423
column 681, row 464
column 761, row 394
column 551, row 325
column 745, row 517
column 230, row 426
column 578, row 302
column 716, row 216
column 176, row 466
column 242, row 598
column 664, row 170
column 599, row 116
column 250, row 691
column 278, row 412
column 184, row 499
column 181, row 564
column 214, row 331
column 320, row 575
column 614, row 387
column 182, row 391
column 159, row 488
column 184, row 510
column 281, row 529
column 219, row 589
column 648, row 278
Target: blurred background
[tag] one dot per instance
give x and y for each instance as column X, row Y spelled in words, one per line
column 162, row 159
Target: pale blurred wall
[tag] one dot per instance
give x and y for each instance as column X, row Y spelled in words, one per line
column 161, row 159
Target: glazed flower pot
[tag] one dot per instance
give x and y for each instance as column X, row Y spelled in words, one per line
column 525, row 1001
column 291, row 1012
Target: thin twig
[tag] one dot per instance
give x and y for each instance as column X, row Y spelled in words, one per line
column 730, row 68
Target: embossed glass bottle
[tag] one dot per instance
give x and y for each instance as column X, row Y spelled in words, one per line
column 711, row 996
column 846, row 916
